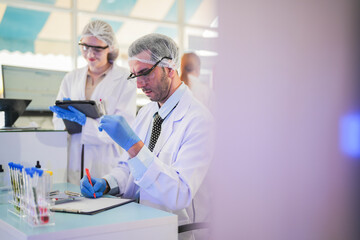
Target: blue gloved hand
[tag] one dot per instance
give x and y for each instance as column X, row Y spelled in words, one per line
column 119, row 130
column 88, row 191
column 71, row 114
column 66, row 99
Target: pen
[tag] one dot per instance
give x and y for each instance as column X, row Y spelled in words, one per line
column 72, row 194
column 89, row 178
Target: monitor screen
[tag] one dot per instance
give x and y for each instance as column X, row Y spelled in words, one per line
column 39, row 85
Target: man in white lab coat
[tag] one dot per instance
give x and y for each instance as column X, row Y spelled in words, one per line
column 169, row 175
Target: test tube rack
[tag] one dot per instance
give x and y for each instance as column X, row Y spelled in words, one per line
column 29, row 195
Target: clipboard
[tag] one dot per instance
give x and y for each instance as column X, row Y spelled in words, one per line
column 88, row 107
column 90, row 206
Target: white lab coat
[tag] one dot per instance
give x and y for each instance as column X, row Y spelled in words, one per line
column 101, row 153
column 174, row 181
column 202, row 92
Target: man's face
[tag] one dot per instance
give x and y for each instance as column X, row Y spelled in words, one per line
column 156, row 85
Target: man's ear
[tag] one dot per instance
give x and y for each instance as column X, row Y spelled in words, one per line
column 171, row 73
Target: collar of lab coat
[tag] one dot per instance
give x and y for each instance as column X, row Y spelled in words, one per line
column 112, row 75
column 172, row 101
column 177, row 114
column 144, row 119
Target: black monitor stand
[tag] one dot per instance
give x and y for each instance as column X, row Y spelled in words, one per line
column 13, row 109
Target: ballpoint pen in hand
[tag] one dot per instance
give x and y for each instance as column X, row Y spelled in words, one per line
column 89, row 178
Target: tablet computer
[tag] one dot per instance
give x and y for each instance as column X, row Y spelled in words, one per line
column 88, row 107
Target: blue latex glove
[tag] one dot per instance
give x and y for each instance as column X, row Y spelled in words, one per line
column 88, row 191
column 119, row 130
column 66, row 99
column 71, row 114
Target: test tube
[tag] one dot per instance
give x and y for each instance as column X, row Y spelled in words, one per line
column 33, row 211
column 10, row 166
column 21, row 188
column 102, row 106
column 12, row 170
column 28, row 194
column 40, row 195
column 48, row 182
column 16, row 176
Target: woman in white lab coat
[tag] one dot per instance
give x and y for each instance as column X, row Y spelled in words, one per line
column 101, row 80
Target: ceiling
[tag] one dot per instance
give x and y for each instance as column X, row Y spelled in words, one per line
column 45, row 26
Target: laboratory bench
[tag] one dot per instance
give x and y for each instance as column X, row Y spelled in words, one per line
column 129, row 221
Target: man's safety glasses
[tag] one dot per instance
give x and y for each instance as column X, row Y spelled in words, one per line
column 146, row 72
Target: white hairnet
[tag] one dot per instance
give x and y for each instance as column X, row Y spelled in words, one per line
column 104, row 32
column 154, row 47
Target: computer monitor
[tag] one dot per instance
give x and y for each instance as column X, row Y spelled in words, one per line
column 13, row 109
column 39, row 85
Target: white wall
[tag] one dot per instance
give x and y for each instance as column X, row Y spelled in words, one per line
column 283, row 82
column 26, row 148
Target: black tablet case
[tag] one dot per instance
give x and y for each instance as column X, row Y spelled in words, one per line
column 88, row 107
